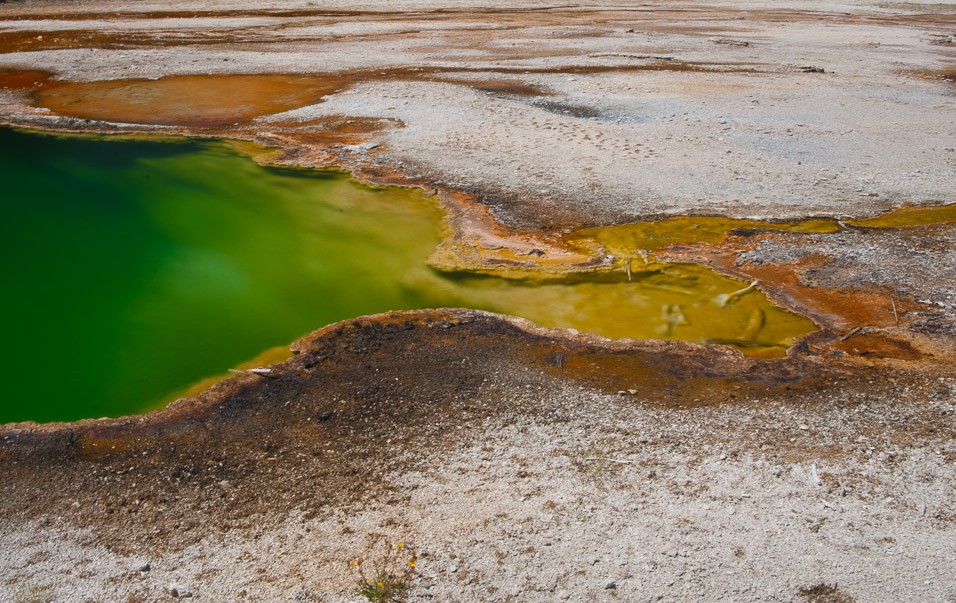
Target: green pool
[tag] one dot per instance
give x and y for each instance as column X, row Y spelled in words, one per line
column 134, row 268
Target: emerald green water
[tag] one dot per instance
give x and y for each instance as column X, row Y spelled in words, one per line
column 134, row 268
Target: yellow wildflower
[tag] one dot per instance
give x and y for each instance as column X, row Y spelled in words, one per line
column 381, row 584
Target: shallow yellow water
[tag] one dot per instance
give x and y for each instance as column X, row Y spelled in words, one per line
column 910, row 216
column 636, row 238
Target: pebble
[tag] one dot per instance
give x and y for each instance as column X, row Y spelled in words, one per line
column 177, row 591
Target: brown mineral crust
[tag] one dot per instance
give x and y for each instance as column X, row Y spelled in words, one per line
column 684, row 379
column 946, row 75
column 323, row 427
column 874, row 345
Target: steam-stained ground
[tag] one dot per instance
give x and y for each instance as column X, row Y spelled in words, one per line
column 527, row 465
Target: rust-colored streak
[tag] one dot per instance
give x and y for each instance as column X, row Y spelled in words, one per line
column 198, row 101
column 91, row 447
column 23, row 80
column 944, row 75
column 501, row 87
column 329, row 131
column 839, row 309
column 682, row 379
column 636, row 64
column 875, row 345
column 32, row 41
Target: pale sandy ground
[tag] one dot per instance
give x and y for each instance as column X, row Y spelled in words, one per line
column 777, row 143
column 712, row 504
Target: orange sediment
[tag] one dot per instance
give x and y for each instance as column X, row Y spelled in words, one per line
column 192, row 100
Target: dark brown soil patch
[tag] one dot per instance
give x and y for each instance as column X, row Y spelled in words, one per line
column 361, row 400
column 824, row 593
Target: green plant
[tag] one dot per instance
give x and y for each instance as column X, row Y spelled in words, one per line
column 391, row 577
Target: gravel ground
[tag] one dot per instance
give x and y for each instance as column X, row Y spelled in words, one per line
column 522, row 484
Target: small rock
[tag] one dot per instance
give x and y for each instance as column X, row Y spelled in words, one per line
column 145, row 567
column 324, row 416
column 612, row 585
column 363, row 148
column 177, row 591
